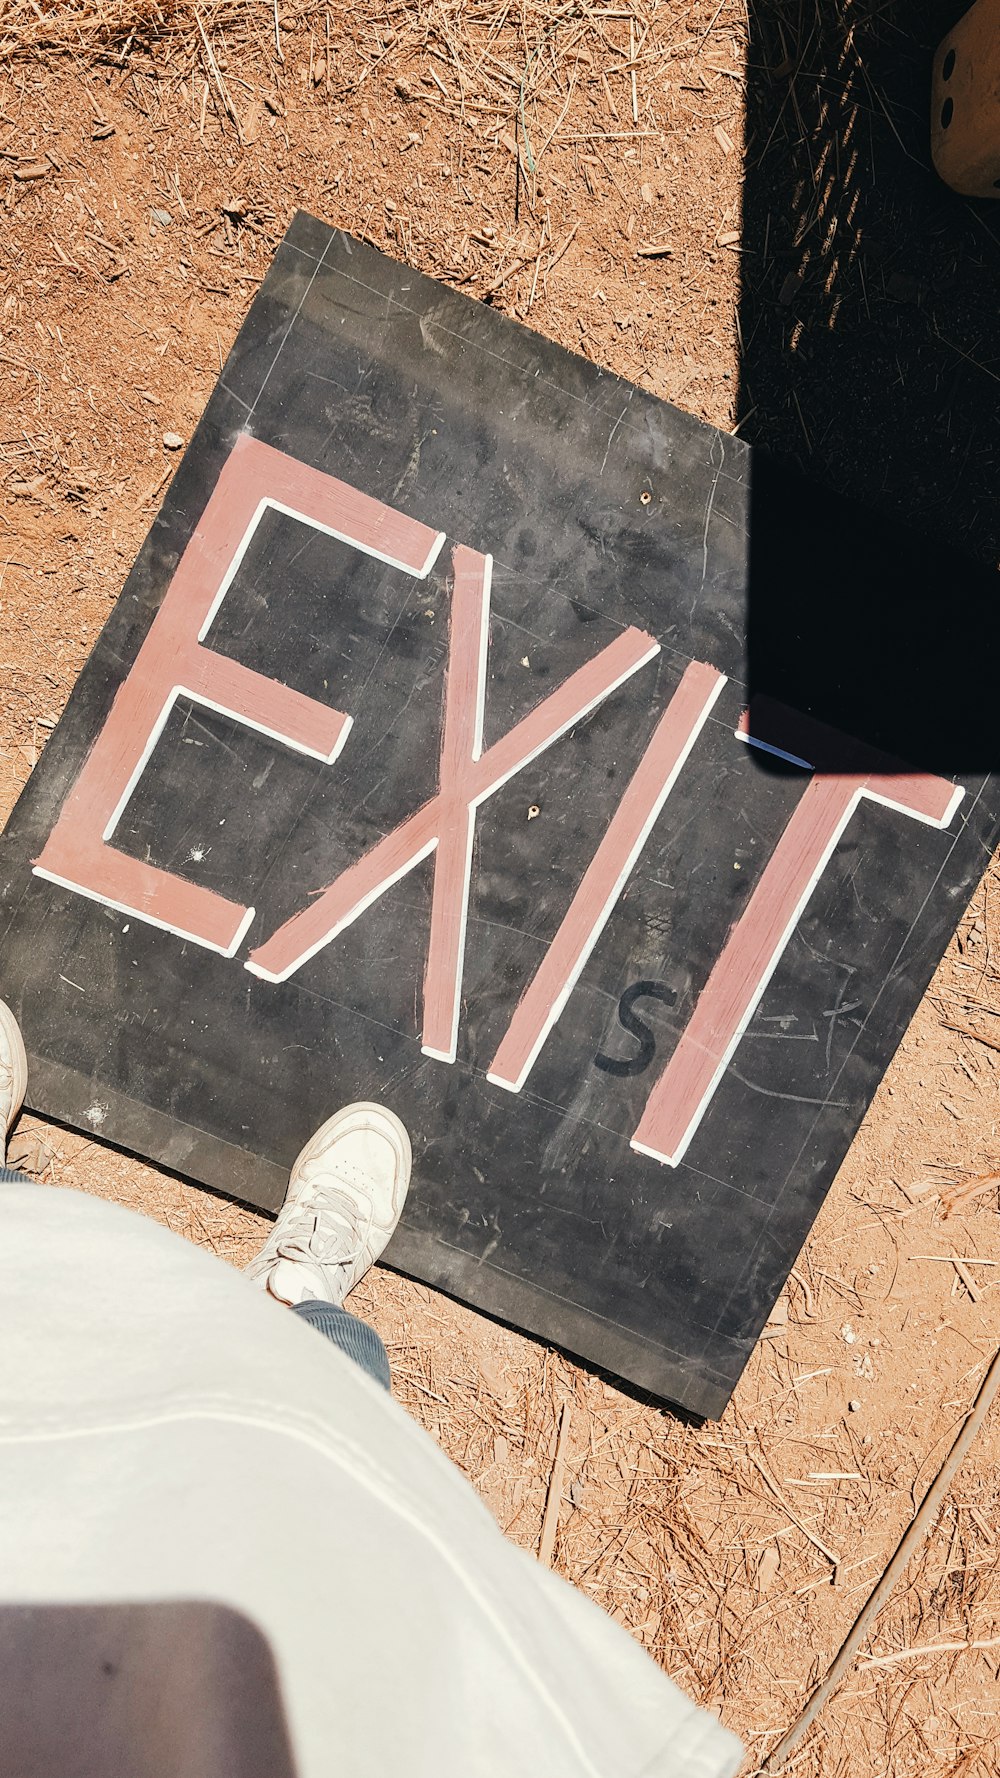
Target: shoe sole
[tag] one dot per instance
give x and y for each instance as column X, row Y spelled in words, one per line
column 19, row 1060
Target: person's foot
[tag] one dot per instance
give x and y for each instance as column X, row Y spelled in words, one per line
column 13, row 1072
column 344, row 1199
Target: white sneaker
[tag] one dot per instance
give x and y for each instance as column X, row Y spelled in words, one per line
column 344, row 1198
column 13, row 1072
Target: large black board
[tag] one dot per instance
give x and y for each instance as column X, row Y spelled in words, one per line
column 603, row 508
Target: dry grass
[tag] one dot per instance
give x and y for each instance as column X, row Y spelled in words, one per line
column 532, row 100
column 504, row 149
column 516, row 76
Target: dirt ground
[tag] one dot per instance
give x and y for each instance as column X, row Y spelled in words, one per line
column 580, row 168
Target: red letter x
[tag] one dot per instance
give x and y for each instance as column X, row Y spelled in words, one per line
column 446, row 822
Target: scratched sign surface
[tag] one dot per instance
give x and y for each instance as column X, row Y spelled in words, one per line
column 414, row 764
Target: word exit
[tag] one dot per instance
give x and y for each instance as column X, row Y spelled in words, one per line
column 174, row 662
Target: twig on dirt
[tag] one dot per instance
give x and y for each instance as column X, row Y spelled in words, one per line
column 612, row 135
column 217, row 77
column 914, row 1535
column 710, row 27
column 817, row 1542
column 966, row 1278
column 928, row 1648
column 974, row 1513
column 806, row 1292
column 991, row 1043
column 151, row 492
column 516, row 265
column 797, row 1382
column 612, row 107
column 949, row 1259
column 553, row 1498
column 961, row 1267
column 976, row 1187
column 65, row 256
column 823, row 1578
column 561, row 249
column 538, row 263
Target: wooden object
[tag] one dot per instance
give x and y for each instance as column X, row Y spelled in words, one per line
column 965, row 103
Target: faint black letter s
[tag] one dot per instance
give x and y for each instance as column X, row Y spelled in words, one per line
column 636, row 1027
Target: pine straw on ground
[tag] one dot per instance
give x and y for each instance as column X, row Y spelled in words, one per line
column 513, row 84
column 505, row 150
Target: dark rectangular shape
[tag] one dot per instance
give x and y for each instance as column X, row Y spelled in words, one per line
column 672, row 967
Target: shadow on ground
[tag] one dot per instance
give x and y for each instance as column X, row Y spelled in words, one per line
column 871, row 377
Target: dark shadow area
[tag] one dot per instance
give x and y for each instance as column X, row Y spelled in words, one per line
column 870, row 383
column 162, row 1689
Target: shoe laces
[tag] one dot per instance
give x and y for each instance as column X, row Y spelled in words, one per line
column 316, row 1231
